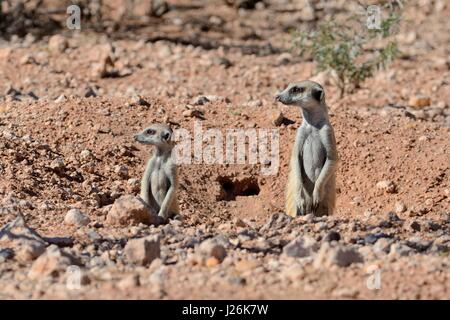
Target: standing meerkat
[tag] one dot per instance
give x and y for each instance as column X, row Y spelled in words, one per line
column 159, row 183
column 311, row 184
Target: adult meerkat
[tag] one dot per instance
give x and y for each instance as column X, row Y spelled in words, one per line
column 159, row 183
column 311, row 184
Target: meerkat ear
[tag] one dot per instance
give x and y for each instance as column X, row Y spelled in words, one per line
column 317, row 93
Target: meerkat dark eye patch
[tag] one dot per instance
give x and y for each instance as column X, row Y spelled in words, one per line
column 166, row 136
column 150, row 131
column 296, row 90
column 317, row 93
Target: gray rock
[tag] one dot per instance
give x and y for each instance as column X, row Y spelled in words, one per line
column 332, row 236
column 86, row 155
column 276, row 221
column 419, row 244
column 370, row 239
column 143, row 251
column 367, row 252
column 75, row 217
column 284, row 59
column 441, row 244
column 61, row 99
column 137, row 100
column 190, row 242
column 341, row 256
column 129, row 282
column 90, row 92
column 6, row 254
column 94, row 235
column 387, row 186
column 130, row 210
column 212, row 248
column 159, row 8
column 96, row 262
column 237, row 280
column 57, row 43
column 159, row 275
column 400, row 207
column 201, row 100
column 222, row 61
column 258, row 103
column 319, row 226
column 25, row 242
column 300, row 247
column 53, row 262
column 57, row 164
column 382, row 246
column 433, row 226
column 121, row 170
column 415, row 226
column 400, row 250
column 223, row 240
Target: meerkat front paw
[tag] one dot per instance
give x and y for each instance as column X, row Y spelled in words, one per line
column 302, row 207
column 302, row 203
column 178, row 217
column 162, row 220
column 317, row 199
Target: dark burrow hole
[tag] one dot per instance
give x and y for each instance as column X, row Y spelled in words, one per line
column 230, row 189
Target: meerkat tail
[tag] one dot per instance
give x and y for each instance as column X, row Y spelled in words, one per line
column 175, row 208
column 291, row 194
column 332, row 197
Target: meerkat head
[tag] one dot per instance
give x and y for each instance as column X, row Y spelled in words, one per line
column 305, row 94
column 159, row 135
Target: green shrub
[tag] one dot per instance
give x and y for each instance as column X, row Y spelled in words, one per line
column 345, row 47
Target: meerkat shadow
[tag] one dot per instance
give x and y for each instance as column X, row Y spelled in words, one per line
column 156, row 220
column 322, row 211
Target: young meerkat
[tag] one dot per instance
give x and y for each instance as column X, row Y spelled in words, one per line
column 159, row 183
column 311, row 184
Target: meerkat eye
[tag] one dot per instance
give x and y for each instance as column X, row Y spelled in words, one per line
column 296, row 90
column 150, row 131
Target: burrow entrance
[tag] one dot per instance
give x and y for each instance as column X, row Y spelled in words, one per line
column 231, row 188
